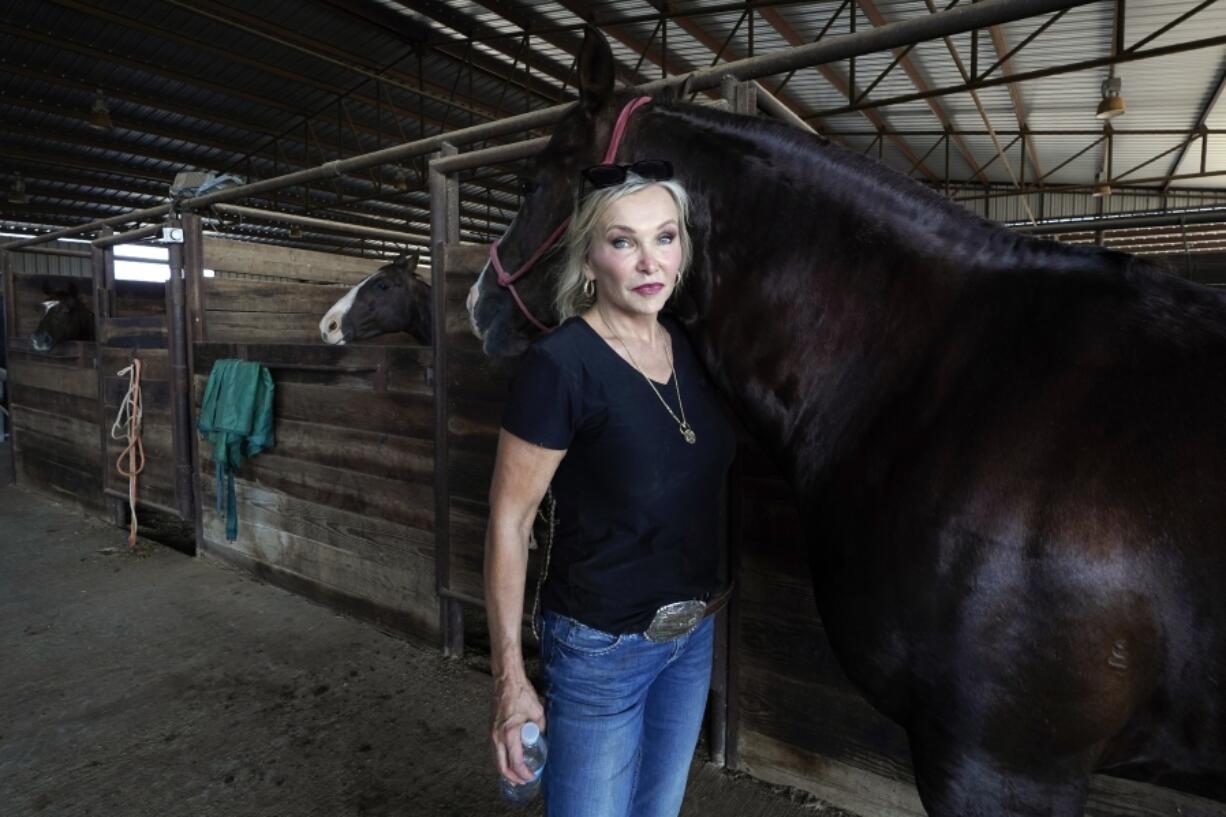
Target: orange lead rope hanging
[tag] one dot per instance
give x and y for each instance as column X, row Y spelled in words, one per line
column 127, row 426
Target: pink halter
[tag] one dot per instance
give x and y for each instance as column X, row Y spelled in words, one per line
column 508, row 280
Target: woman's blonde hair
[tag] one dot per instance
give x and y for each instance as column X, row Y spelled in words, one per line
column 569, row 298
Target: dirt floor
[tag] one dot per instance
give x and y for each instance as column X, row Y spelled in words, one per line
column 151, row 683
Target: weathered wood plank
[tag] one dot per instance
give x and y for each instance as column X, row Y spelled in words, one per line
column 401, row 502
column 230, row 295
column 366, row 452
column 265, row 327
column 419, row 625
column 68, row 443
column 284, row 262
column 53, row 377
column 54, row 402
column 66, row 481
column 401, row 413
column 408, row 586
column 374, row 539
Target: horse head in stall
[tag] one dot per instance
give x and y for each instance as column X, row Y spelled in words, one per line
column 66, row 317
column 1007, row 452
column 393, row 299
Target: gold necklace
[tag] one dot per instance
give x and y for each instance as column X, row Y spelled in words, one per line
column 687, row 433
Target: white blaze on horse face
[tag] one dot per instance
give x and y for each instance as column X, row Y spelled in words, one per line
column 330, row 326
column 49, row 305
column 470, row 303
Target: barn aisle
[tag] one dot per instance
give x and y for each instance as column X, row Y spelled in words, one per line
column 156, row 684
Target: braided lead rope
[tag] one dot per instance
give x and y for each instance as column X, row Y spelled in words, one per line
column 128, row 426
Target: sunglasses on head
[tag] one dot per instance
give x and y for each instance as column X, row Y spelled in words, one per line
column 656, row 170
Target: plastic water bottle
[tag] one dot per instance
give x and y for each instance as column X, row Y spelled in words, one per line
column 535, row 751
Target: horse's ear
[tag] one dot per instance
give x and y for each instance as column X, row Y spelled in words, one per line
column 595, row 71
column 46, row 287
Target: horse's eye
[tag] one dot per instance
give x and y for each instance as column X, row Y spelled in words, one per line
column 383, row 286
column 526, row 187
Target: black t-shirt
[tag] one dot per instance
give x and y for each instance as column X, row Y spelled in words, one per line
column 638, row 506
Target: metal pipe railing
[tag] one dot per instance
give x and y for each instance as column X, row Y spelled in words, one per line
column 1174, row 219
column 322, row 224
column 129, row 237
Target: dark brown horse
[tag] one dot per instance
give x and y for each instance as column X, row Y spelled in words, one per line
column 66, row 317
column 393, row 299
column 1009, row 453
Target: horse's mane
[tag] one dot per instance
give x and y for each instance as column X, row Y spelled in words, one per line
column 856, row 180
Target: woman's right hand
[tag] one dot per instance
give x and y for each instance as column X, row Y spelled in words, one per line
column 515, row 703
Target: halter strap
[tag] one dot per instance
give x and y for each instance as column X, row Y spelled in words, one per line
column 507, row 280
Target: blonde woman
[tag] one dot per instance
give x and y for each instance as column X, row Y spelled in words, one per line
column 614, row 411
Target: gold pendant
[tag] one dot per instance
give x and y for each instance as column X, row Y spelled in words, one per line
column 688, row 433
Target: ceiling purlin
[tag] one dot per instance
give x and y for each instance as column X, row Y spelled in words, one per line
column 540, row 26
column 477, row 31
column 674, row 66
column 715, row 47
column 354, row 63
column 1201, row 121
column 62, row 160
column 790, row 34
column 154, row 103
column 1001, row 46
column 62, row 42
column 429, row 90
column 908, row 64
column 185, row 136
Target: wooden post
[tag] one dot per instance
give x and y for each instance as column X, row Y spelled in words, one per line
column 176, row 346
column 101, row 260
column 8, row 270
column 193, row 269
column 444, row 230
column 742, row 98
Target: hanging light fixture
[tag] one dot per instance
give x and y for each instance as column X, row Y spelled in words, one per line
column 400, row 179
column 17, row 191
column 1113, row 103
column 1101, row 186
column 100, row 113
column 295, row 231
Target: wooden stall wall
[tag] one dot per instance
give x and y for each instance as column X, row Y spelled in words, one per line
column 53, row 397
column 133, row 326
column 341, row 509
column 476, row 391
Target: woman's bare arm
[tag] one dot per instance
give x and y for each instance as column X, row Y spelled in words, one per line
column 522, row 472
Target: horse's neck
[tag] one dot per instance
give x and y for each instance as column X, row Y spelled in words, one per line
column 421, row 312
column 810, row 294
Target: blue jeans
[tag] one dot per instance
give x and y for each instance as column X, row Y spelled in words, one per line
column 622, row 717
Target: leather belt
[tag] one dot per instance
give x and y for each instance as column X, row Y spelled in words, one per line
column 681, row 617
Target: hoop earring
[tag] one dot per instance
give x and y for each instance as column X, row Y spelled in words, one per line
column 589, row 288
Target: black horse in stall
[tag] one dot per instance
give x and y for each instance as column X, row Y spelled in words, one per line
column 393, row 299
column 1008, row 452
column 66, row 316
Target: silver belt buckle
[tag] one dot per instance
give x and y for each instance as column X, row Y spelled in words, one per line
column 675, row 620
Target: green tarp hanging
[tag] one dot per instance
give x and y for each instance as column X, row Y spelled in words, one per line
column 236, row 417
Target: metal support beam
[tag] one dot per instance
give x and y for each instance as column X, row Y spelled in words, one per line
column 1067, row 68
column 322, row 224
column 1201, row 121
column 786, row 31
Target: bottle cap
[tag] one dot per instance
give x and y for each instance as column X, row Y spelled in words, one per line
column 530, row 733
